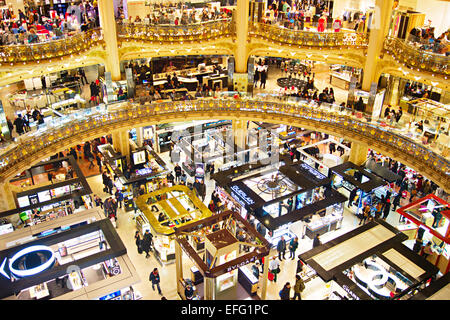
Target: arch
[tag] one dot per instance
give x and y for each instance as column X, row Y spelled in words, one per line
column 34, row 149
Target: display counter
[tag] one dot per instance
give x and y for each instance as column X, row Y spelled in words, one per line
column 340, row 80
column 247, row 279
column 330, row 221
column 165, row 209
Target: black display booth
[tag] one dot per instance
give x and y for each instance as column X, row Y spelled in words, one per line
column 279, row 194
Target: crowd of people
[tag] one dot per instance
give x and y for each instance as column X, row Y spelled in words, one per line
column 33, row 27
column 179, row 15
column 426, row 39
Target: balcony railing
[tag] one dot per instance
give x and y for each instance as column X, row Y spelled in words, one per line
column 308, row 38
column 209, row 30
column 330, row 116
column 416, row 58
column 77, row 43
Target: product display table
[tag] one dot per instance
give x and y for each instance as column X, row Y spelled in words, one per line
column 248, row 280
column 39, row 291
column 322, row 225
column 291, row 82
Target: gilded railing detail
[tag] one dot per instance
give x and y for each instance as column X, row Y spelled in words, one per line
column 416, row 58
column 321, row 118
column 13, row 54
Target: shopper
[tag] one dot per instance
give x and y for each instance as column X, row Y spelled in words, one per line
column 386, row 209
column 255, row 269
column 316, row 241
column 281, row 248
column 298, row 287
column 119, row 197
column 183, row 178
column 189, row 292
column 293, row 245
column 351, row 197
column 170, row 178
column 109, row 184
column 147, row 243
column 155, row 279
column 285, row 292
column 274, row 267
column 200, row 188
column 18, row 122
column 138, row 241
column 364, row 214
column 177, row 171
column 427, row 250
column 99, row 161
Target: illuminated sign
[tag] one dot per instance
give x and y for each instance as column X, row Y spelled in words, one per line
column 241, row 195
column 20, row 258
column 243, row 263
column 350, row 292
column 312, row 171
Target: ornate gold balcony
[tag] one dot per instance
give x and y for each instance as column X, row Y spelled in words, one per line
column 204, row 31
column 36, row 147
column 415, row 58
column 75, row 44
column 331, row 40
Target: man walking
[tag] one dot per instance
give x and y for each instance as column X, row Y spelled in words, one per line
column 147, row 243
column 154, row 278
column 298, row 287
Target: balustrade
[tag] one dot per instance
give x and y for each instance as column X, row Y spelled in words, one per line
column 330, row 117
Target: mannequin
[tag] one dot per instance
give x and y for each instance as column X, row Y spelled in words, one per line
column 337, row 25
column 322, row 22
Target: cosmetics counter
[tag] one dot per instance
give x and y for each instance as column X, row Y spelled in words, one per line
column 163, row 210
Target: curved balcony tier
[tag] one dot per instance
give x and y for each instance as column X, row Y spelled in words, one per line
column 169, row 34
column 55, row 49
column 415, row 58
column 329, row 119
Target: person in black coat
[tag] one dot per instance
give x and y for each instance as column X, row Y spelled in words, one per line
column 263, row 79
column 351, row 197
column 138, row 241
column 19, row 123
column 147, row 243
column 386, row 209
column 316, row 241
column 281, row 248
column 285, row 292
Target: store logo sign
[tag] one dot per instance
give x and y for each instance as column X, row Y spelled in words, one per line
column 241, row 195
column 243, row 263
column 350, row 292
column 44, row 253
column 312, row 171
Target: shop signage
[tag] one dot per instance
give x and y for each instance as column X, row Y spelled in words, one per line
column 243, row 263
column 350, row 292
column 14, row 268
column 312, row 171
column 241, row 195
column 347, row 185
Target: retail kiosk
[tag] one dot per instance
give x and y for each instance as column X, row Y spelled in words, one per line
column 437, row 290
column 231, row 244
column 428, row 219
column 82, row 257
column 370, row 263
column 348, row 176
column 147, row 168
column 164, row 210
column 278, row 195
column 51, row 200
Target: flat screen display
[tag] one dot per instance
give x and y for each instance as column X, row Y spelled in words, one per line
column 139, row 157
column 44, row 196
column 23, row 201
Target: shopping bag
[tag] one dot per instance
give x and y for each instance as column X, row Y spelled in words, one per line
column 271, row 276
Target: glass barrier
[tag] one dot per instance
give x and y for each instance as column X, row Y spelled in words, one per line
column 171, row 33
column 51, row 49
column 416, row 58
column 308, row 38
column 400, row 140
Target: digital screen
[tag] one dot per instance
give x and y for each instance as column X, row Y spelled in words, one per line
column 33, row 198
column 139, row 157
column 44, row 196
column 23, row 202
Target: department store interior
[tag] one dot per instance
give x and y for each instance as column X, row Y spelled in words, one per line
column 243, row 149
